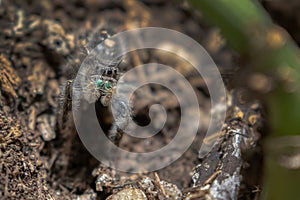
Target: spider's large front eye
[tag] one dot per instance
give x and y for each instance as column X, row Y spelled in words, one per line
column 99, row 83
column 108, row 85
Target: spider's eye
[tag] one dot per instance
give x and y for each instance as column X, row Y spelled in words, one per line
column 101, row 71
column 109, row 72
column 108, row 85
column 99, row 83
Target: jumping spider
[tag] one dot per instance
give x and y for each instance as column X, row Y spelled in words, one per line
column 100, row 81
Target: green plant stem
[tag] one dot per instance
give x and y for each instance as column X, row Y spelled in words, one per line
column 269, row 49
column 247, row 26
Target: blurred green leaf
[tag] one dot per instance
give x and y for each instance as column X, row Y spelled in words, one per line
column 268, row 49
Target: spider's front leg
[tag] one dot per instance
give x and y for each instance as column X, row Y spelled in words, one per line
column 65, row 104
column 111, row 98
column 122, row 113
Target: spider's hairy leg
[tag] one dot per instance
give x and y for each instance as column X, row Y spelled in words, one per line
column 115, row 134
column 122, row 116
column 65, row 104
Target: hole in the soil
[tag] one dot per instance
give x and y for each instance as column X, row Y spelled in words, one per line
column 20, row 108
column 57, row 43
column 140, row 118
